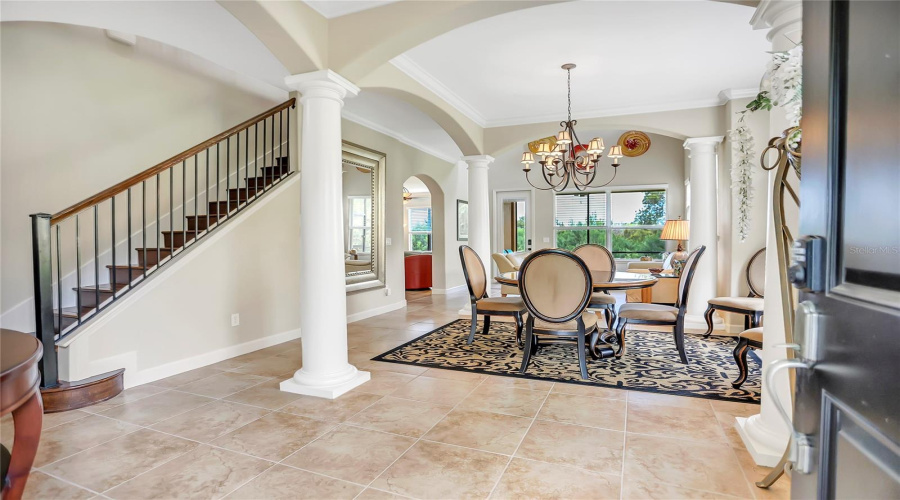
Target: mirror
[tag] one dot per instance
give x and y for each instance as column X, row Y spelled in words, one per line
column 362, row 178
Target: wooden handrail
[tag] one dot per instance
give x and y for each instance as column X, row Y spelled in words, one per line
column 152, row 171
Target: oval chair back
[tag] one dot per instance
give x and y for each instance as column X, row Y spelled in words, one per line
column 756, row 274
column 687, row 275
column 597, row 258
column 473, row 270
column 555, row 285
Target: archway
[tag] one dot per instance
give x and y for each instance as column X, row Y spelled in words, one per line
column 424, row 231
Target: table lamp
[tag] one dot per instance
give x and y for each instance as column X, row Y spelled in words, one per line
column 678, row 230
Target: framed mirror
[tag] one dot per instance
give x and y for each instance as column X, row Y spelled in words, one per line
column 362, row 175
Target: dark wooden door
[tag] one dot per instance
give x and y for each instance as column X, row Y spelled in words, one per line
column 848, row 400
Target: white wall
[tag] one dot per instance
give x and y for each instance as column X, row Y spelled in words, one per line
column 81, row 112
column 662, row 164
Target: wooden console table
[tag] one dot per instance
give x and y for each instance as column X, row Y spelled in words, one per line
column 20, row 381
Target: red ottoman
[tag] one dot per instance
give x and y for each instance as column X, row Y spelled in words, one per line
column 418, row 271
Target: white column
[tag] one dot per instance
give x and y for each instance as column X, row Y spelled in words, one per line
column 323, row 299
column 766, row 435
column 479, row 214
column 703, row 220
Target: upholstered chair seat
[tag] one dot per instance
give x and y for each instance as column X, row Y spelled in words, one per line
column 648, row 312
column 603, row 299
column 589, row 319
column 501, row 304
column 754, row 334
column 752, row 304
column 598, row 258
column 477, row 283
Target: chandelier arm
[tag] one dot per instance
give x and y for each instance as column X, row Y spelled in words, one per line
column 536, row 187
column 615, row 171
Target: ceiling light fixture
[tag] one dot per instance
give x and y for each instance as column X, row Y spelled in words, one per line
column 406, row 195
column 570, row 160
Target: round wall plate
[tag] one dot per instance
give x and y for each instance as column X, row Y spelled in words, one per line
column 634, row 143
column 533, row 145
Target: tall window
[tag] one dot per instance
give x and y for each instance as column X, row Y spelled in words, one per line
column 360, row 223
column 629, row 223
column 419, row 229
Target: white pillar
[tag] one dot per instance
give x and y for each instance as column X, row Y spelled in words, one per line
column 323, row 299
column 766, row 435
column 703, row 220
column 479, row 214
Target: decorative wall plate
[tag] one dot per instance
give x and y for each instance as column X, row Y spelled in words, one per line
column 634, row 143
column 533, row 145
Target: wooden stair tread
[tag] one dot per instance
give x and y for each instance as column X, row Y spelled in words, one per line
column 72, row 311
column 105, row 288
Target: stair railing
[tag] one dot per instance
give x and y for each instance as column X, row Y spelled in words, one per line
column 227, row 164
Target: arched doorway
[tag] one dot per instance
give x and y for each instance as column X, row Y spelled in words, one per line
column 423, row 236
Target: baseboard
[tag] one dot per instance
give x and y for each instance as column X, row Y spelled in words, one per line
column 368, row 313
column 445, row 291
column 139, row 377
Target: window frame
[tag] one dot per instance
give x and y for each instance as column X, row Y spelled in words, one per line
column 413, row 233
column 607, row 227
column 367, row 230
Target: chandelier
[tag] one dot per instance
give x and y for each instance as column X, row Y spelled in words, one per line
column 570, row 161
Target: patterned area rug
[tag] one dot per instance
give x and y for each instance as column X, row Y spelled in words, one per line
column 650, row 362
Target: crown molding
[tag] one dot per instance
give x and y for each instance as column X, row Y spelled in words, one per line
column 405, row 64
column 353, row 117
column 731, row 94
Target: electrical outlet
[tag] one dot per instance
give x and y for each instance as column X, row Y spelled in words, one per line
column 235, row 319
column 387, row 290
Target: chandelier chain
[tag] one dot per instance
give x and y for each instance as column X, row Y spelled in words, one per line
column 569, row 85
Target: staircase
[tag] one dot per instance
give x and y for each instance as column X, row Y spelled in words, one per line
column 137, row 227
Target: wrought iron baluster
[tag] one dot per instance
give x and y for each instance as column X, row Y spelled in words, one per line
column 218, row 188
column 184, row 228
column 280, row 142
column 207, row 190
column 78, row 268
column 96, row 262
column 256, row 160
column 128, row 213
column 158, row 231
column 227, row 176
column 289, row 138
column 196, row 217
column 246, row 166
column 264, row 158
column 171, row 211
column 115, row 271
column 59, row 282
column 144, row 227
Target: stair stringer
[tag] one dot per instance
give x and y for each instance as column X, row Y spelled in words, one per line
column 179, row 319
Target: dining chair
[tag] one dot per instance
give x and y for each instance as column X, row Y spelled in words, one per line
column 476, row 281
column 556, row 288
column 751, row 307
column 748, row 339
column 662, row 315
column 598, row 258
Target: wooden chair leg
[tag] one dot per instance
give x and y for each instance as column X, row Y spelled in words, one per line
column 678, row 331
column 592, row 346
column 740, row 357
column 529, row 345
column 487, row 324
column 27, row 422
column 608, row 315
column 518, row 318
column 620, row 336
column 708, row 315
column 754, row 323
column 474, row 325
column 582, row 361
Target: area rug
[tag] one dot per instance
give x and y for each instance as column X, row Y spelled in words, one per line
column 650, row 362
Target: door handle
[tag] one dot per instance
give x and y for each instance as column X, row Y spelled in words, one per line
column 802, row 449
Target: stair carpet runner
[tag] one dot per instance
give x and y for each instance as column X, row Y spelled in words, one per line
column 239, row 197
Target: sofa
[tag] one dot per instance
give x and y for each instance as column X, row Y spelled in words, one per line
column 507, row 263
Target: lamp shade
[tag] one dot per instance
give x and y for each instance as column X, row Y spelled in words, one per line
column 615, row 152
column 563, row 137
column 676, row 229
column 527, row 158
column 596, row 146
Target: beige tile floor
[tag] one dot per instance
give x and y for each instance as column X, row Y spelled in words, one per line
column 227, row 431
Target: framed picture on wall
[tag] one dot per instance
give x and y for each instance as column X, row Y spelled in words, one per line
column 462, row 220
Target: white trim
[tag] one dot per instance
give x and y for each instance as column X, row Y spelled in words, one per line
column 730, row 94
column 181, row 260
column 134, row 377
column 412, row 69
column 368, row 313
column 446, row 291
column 397, row 135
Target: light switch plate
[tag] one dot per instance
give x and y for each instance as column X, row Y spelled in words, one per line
column 546, row 239
column 387, row 241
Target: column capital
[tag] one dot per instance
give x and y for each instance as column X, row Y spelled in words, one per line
column 703, row 144
column 478, row 161
column 780, row 17
column 324, row 83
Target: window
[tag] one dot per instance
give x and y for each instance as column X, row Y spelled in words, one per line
column 629, row 223
column 419, row 229
column 360, row 223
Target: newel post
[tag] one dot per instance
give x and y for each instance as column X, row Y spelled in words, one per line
column 43, row 297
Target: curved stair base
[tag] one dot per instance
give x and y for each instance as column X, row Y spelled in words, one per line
column 73, row 395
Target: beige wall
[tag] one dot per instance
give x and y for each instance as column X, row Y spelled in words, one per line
column 81, row 112
column 663, row 164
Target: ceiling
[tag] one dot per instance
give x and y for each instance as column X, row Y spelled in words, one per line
column 402, row 121
column 416, row 187
column 337, row 8
column 632, row 57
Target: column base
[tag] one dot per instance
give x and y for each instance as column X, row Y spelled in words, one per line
column 762, row 450
column 328, row 390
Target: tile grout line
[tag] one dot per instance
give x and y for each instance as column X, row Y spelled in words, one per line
column 522, row 440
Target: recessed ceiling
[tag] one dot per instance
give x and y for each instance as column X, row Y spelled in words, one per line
column 402, row 121
column 632, row 57
column 338, row 8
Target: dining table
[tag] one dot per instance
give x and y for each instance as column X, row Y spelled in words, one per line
column 601, row 281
